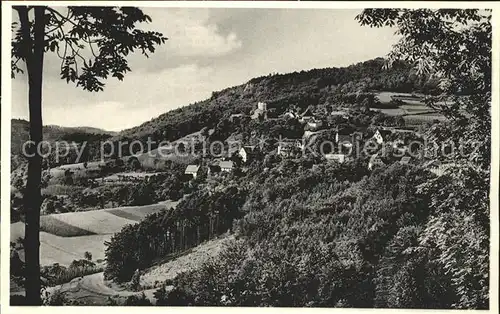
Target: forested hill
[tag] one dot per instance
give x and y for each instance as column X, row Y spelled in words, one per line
column 301, row 89
column 20, row 133
column 51, row 133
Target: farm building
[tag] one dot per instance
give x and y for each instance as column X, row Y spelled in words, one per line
column 292, row 114
column 192, row 170
column 226, row 165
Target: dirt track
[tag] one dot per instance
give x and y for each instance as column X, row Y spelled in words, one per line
column 92, row 290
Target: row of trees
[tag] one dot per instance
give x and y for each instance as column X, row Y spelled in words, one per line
column 200, row 217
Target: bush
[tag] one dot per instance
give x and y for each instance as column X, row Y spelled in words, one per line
column 58, row 274
column 135, row 300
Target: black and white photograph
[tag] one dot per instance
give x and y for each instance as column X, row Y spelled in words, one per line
column 250, row 154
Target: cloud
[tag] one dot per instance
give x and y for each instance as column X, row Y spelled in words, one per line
column 198, row 39
column 207, row 50
column 191, row 33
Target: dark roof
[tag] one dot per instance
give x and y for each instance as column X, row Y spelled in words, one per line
column 384, row 133
column 375, row 158
column 250, row 148
column 345, row 138
column 306, row 112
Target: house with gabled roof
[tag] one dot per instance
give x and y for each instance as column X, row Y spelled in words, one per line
column 247, row 152
column 439, row 168
column 314, row 124
column 339, row 113
column 192, row 170
column 381, row 136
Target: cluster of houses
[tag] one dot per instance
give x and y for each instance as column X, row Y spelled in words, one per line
column 313, row 126
column 291, row 147
column 213, row 168
column 246, row 153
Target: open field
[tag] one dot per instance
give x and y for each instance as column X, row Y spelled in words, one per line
column 140, row 211
column 423, row 118
column 63, row 250
column 390, row 111
column 72, row 234
column 52, row 225
column 96, row 221
column 155, row 159
column 414, row 111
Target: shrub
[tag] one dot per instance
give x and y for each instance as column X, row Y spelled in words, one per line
column 135, row 300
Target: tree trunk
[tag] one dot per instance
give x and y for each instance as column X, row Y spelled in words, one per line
column 34, row 49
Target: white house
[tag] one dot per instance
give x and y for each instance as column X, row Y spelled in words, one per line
column 235, row 116
column 246, row 152
column 339, row 113
column 291, row 114
column 261, row 110
column 226, row 165
column 192, row 170
column 340, row 158
column 315, row 124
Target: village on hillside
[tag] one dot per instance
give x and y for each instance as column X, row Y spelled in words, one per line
column 365, row 185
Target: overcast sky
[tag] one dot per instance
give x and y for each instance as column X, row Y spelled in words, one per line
column 207, row 50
